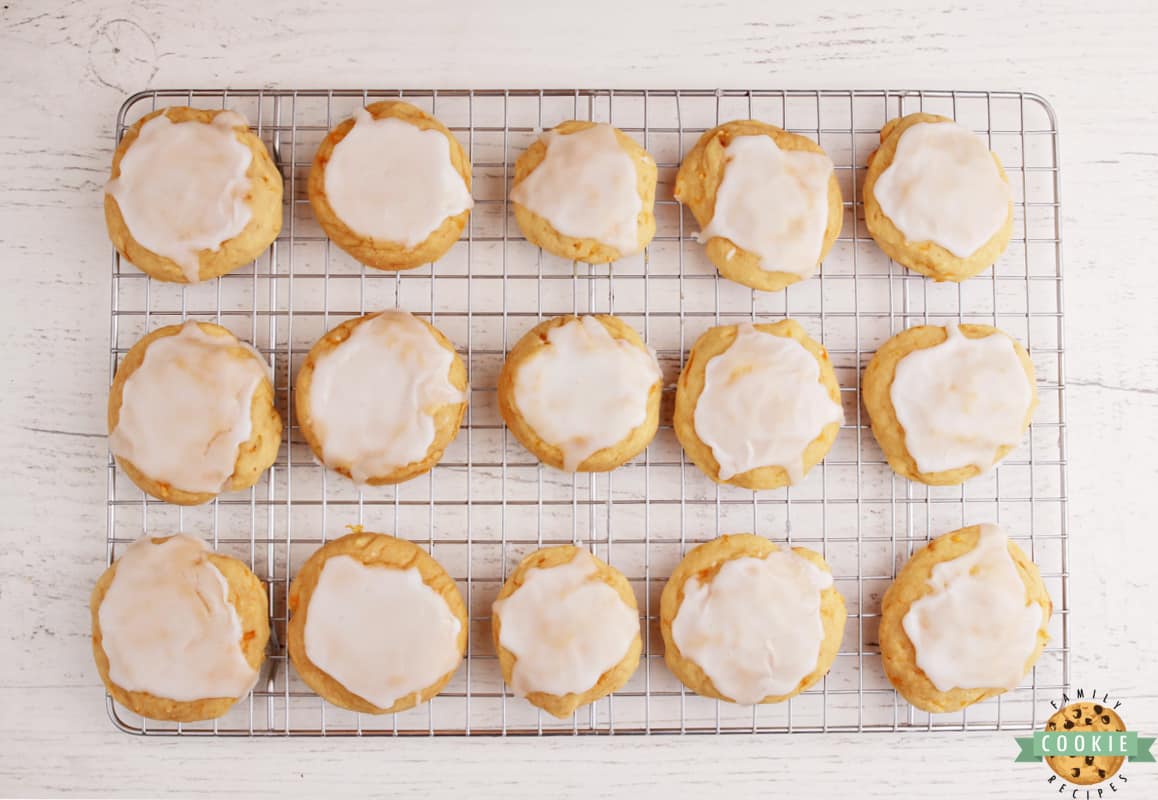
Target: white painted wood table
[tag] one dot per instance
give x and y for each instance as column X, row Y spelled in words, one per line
column 65, row 68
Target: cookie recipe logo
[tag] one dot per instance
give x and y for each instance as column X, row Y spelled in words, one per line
column 1085, row 743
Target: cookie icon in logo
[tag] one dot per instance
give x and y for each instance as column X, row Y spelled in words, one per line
column 1086, row 769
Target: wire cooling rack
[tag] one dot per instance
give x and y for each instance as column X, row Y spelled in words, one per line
column 490, row 502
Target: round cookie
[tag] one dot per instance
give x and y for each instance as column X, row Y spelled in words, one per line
column 703, row 563
column 447, row 416
column 1085, row 716
column 264, row 198
column 604, row 459
column 371, row 550
column 382, row 253
column 887, row 429
column 912, row 583
column 542, row 233
column 926, row 257
column 254, row 456
column 699, row 178
column 247, row 596
column 691, row 385
column 563, row 705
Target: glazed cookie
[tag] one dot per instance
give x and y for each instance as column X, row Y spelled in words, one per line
column 1083, row 716
column 586, row 191
column 566, row 629
column 936, row 200
column 767, row 202
column 193, row 195
column 736, row 599
column 391, row 186
column 947, row 404
column 191, row 414
column 581, row 393
column 178, row 631
column 376, row 624
column 964, row 620
column 757, row 406
column 380, row 397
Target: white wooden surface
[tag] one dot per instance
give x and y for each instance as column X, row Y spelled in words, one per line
column 66, row 66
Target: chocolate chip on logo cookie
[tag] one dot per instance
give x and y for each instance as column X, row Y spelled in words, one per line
column 1086, row 769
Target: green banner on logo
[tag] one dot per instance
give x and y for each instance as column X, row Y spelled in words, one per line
column 1085, row 743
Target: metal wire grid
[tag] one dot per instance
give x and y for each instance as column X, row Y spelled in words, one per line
column 489, row 502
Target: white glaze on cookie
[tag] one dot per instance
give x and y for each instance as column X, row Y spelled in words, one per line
column 566, row 627
column 755, row 628
column 186, row 409
column 762, row 404
column 391, row 180
column 773, row 203
column 372, row 398
column 944, row 187
column 961, row 400
column 182, row 187
column 585, row 390
column 977, row 627
column 586, row 187
column 380, row 632
column 167, row 626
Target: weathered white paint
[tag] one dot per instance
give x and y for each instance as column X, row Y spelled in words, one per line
column 64, row 69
